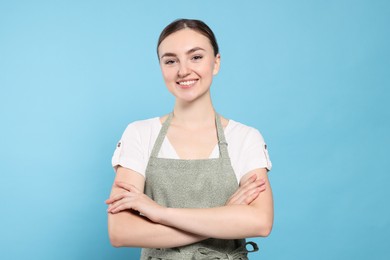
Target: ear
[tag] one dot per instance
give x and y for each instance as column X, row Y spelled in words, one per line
column 217, row 64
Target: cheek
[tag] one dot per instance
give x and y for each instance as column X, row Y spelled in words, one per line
column 168, row 74
column 207, row 70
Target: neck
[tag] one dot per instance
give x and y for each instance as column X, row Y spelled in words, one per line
column 196, row 113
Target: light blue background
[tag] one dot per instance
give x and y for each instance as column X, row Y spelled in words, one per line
column 312, row 76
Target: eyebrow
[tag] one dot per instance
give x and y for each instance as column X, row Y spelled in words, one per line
column 170, row 54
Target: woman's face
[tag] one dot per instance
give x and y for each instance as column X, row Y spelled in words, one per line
column 188, row 64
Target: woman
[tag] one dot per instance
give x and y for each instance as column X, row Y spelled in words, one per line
column 180, row 191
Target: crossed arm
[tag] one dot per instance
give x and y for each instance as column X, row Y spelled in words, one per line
column 248, row 213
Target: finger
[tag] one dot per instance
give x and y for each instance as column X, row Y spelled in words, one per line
column 248, row 200
column 249, row 180
column 244, row 189
column 255, row 184
column 252, row 178
column 116, row 197
column 231, row 201
column 252, row 196
column 248, row 187
column 249, row 195
column 233, row 197
column 120, row 205
column 237, row 198
column 117, row 208
column 126, row 186
column 112, row 205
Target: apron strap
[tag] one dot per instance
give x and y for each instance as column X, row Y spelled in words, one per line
column 239, row 254
column 202, row 253
column 161, row 136
column 222, row 144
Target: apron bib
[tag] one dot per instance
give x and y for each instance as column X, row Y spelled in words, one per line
column 203, row 183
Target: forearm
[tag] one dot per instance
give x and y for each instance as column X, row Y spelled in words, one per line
column 182, row 226
column 127, row 229
column 227, row 222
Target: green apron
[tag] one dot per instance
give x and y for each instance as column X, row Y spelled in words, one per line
column 203, row 183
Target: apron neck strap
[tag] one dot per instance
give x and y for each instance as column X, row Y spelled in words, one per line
column 161, row 135
column 222, row 144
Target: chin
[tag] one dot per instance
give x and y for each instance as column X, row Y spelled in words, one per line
column 186, row 99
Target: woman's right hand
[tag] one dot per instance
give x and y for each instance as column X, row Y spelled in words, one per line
column 133, row 199
column 247, row 192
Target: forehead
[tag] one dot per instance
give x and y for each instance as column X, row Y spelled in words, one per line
column 184, row 40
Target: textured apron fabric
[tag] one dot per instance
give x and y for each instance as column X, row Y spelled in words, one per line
column 203, row 183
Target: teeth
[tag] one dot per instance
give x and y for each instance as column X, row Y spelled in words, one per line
column 187, row 83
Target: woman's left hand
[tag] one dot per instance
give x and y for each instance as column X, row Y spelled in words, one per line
column 133, row 199
column 248, row 191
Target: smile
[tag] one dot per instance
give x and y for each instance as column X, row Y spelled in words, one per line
column 186, row 83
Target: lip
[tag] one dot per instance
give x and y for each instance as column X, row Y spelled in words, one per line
column 188, row 83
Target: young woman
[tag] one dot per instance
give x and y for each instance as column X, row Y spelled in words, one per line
column 191, row 184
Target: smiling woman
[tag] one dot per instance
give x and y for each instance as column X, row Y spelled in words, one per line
column 181, row 192
column 188, row 64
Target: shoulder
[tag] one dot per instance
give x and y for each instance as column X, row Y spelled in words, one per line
column 150, row 122
column 242, row 133
column 247, row 148
column 142, row 128
column 144, row 124
column 133, row 149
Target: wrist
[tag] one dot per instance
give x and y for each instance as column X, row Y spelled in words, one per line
column 164, row 215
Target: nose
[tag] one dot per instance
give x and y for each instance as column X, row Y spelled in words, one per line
column 184, row 70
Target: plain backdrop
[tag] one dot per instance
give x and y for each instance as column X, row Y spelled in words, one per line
column 312, row 76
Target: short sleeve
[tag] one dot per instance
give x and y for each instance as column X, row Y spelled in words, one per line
column 129, row 152
column 255, row 153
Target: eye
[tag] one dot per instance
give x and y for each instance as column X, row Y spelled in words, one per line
column 197, row 57
column 169, row 62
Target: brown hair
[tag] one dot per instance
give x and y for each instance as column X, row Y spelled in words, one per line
column 196, row 25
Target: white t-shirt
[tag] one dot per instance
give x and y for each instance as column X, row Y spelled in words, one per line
column 246, row 147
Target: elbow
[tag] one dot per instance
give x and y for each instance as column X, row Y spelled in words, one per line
column 115, row 242
column 264, row 227
column 265, row 230
column 119, row 233
column 120, row 239
column 123, row 231
column 115, row 238
column 116, row 234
